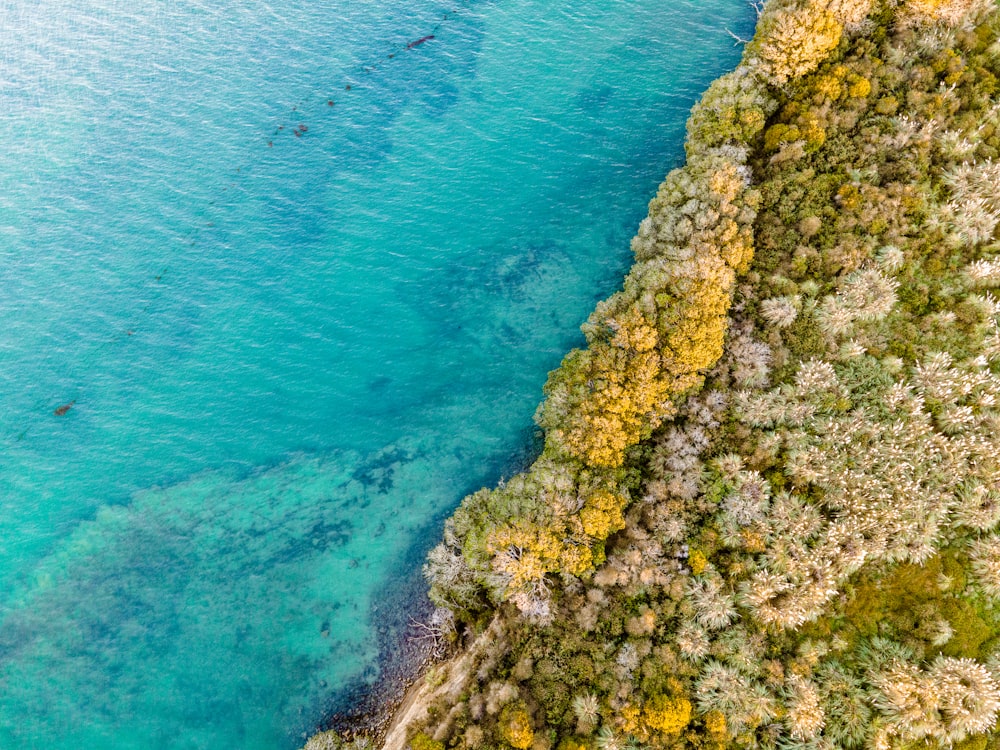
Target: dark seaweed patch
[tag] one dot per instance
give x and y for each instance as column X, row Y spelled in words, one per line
column 325, row 535
column 594, row 99
column 379, row 384
column 377, row 472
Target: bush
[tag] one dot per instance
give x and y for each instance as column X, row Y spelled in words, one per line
column 423, row 742
column 516, row 728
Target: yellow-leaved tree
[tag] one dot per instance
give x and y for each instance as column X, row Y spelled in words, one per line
column 649, row 343
column 797, row 40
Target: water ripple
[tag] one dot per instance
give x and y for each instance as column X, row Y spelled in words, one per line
column 279, row 286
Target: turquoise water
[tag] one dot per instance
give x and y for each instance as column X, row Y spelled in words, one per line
column 287, row 351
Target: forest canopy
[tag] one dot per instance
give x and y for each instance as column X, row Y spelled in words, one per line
column 766, row 513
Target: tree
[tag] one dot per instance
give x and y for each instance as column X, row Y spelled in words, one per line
column 796, row 40
column 666, row 714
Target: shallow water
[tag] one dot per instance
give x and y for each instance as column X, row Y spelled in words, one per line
column 287, row 356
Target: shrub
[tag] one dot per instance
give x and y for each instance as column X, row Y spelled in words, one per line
column 805, row 717
column 516, row 727
column 715, row 725
column 985, row 555
column 423, row 742
column 781, row 312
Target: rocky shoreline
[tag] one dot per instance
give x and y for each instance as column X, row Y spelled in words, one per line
column 372, row 707
column 366, row 707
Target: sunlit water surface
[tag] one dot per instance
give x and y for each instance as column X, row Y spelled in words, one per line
column 295, row 321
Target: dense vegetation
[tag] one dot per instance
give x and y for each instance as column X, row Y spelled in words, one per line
column 766, row 512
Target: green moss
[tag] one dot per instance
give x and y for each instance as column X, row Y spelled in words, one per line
column 902, row 602
column 972, row 629
column 978, row 742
